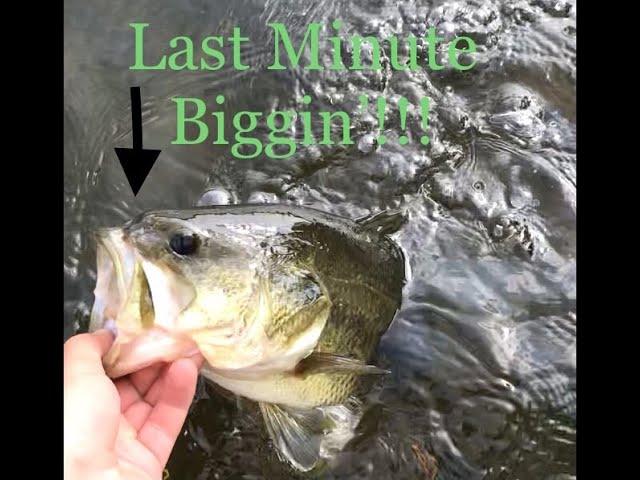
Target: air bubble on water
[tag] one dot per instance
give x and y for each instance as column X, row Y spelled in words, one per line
column 71, row 270
column 366, row 143
column 506, row 384
column 215, row 196
column 262, row 197
column 520, row 197
column 447, row 30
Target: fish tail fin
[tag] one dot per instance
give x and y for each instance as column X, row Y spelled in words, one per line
column 305, row 437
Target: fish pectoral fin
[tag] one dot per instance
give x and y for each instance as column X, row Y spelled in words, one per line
column 296, row 434
column 321, row 362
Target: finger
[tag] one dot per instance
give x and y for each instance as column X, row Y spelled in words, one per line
column 143, row 379
column 154, row 392
column 90, row 399
column 83, row 353
column 136, row 405
column 198, row 360
column 160, row 431
column 128, row 393
column 137, row 414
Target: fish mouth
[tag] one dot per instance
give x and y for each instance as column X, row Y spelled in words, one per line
column 119, row 275
column 124, row 305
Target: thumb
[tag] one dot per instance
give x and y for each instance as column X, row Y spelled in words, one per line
column 83, row 353
column 91, row 401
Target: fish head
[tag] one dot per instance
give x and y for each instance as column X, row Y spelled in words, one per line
column 174, row 283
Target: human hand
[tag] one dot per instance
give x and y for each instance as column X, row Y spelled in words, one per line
column 122, row 429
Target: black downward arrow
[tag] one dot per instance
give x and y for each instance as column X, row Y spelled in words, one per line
column 136, row 162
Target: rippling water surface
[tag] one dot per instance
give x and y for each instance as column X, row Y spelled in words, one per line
column 483, row 349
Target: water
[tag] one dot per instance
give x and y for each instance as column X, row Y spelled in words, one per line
column 483, row 349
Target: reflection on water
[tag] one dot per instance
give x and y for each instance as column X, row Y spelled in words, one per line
column 483, row 349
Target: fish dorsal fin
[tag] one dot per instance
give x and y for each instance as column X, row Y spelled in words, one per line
column 296, row 434
column 322, row 362
column 385, row 222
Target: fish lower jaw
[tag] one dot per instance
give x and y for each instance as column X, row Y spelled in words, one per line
column 152, row 347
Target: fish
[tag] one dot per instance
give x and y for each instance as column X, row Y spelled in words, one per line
column 287, row 305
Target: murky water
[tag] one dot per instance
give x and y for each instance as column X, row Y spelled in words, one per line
column 483, row 349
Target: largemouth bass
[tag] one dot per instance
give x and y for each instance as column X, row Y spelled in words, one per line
column 286, row 304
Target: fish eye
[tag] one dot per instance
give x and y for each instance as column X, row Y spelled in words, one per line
column 184, row 243
column 311, row 292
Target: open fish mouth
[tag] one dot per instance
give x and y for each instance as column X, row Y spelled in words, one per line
column 117, row 270
column 124, row 305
